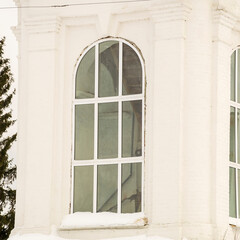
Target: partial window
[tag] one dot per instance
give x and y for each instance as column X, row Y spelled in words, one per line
column 234, row 150
column 108, row 144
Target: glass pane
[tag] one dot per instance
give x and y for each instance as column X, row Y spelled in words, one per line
column 108, row 130
column 132, row 128
column 108, row 68
column 131, row 187
column 232, row 135
column 232, row 192
column 85, row 76
column 238, row 75
column 132, row 72
column 238, row 177
column 107, row 191
column 238, row 134
column 84, row 132
column 83, row 189
column 233, row 64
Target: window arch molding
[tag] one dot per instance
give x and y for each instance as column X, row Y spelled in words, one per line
column 108, row 128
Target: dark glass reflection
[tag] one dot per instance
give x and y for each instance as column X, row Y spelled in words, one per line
column 232, row 151
column 131, row 198
column 84, row 132
column 85, row 77
column 108, row 130
column 83, row 189
column 233, row 70
column 132, row 72
column 108, row 68
column 107, row 188
column 232, row 192
column 132, row 128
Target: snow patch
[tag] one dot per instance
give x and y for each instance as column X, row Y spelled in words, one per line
column 80, row 220
column 52, row 237
column 35, row 236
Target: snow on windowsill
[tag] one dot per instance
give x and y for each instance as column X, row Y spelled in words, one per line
column 86, row 220
column 37, row 236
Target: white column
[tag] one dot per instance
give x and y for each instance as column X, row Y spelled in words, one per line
column 167, row 103
column 197, row 124
column 39, row 89
column 222, row 48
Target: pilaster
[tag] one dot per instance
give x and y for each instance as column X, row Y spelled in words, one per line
column 223, row 24
column 39, row 85
column 169, row 22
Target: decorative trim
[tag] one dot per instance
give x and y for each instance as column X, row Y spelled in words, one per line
column 42, row 24
column 223, row 24
column 171, row 12
column 17, row 32
column 222, row 17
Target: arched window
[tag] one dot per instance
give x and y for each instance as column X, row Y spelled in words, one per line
column 108, row 154
column 234, row 152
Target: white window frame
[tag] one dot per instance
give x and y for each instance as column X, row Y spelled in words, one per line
column 96, row 100
column 235, row 165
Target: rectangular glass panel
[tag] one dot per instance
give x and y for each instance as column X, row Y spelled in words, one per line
column 108, row 68
column 107, row 130
column 233, row 70
column 84, row 132
column 131, row 187
column 83, row 189
column 238, row 179
column 232, row 192
column 132, row 128
column 132, row 72
column 107, row 188
column 85, row 77
column 238, row 134
column 238, row 76
column 232, row 152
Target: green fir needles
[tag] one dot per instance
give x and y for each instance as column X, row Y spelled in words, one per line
column 7, row 168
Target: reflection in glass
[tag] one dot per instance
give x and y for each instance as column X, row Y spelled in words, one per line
column 131, row 187
column 238, row 134
column 232, row 192
column 108, row 68
column 84, row 132
column 238, row 179
column 232, row 135
column 238, row 76
column 132, row 72
column 85, row 76
column 107, row 182
column 107, row 130
column 83, row 189
column 132, row 128
column 233, row 66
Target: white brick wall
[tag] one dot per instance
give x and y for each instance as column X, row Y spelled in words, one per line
column 186, row 46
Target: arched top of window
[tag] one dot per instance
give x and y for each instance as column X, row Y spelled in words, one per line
column 110, row 67
column 108, row 134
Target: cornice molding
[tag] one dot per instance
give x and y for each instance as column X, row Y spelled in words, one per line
column 42, row 24
column 17, row 32
column 171, row 12
column 224, row 18
column 223, row 26
column 17, row 2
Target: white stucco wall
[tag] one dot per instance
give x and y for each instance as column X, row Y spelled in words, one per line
column 186, row 46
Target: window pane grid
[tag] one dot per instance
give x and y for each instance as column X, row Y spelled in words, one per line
column 119, row 160
column 234, row 162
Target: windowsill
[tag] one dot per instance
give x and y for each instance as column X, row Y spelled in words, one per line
column 104, row 220
column 234, row 222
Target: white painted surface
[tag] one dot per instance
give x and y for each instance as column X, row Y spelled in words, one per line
column 52, row 237
column 105, row 219
column 186, row 46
